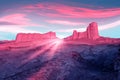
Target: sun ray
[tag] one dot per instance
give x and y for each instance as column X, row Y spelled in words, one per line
column 51, row 45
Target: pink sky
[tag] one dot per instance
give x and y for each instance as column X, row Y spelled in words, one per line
column 61, row 18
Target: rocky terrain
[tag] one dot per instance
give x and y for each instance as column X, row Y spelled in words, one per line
column 59, row 61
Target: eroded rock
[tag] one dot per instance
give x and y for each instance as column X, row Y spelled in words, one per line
column 34, row 36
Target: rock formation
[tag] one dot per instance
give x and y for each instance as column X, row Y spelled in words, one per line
column 34, row 36
column 90, row 33
column 75, row 34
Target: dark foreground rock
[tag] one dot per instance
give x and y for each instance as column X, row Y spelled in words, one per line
column 68, row 62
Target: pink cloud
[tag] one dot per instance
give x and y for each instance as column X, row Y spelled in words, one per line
column 71, row 30
column 60, row 10
column 63, row 22
column 16, row 29
column 17, row 19
column 110, row 25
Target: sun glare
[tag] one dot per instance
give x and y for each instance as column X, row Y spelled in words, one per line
column 59, row 41
column 53, row 45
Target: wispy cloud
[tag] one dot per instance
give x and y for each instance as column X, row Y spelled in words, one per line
column 60, row 10
column 7, row 23
column 14, row 29
column 16, row 19
column 100, row 27
column 110, row 25
column 64, row 22
column 71, row 30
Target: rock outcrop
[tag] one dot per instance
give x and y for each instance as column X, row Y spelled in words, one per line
column 34, row 36
column 91, row 33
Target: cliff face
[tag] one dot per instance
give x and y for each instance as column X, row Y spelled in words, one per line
column 91, row 33
column 34, row 36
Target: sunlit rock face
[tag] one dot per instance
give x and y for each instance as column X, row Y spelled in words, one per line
column 34, row 36
column 75, row 34
column 91, row 33
column 91, row 36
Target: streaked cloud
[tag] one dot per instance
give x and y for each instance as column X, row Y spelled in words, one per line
column 71, row 30
column 14, row 29
column 100, row 27
column 64, row 22
column 16, row 19
column 7, row 23
column 110, row 25
column 60, row 10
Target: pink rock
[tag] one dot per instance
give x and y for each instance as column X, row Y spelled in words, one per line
column 82, row 35
column 34, row 36
column 75, row 34
column 92, row 31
